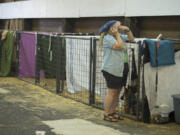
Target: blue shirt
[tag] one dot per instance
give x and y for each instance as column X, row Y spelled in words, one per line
column 113, row 60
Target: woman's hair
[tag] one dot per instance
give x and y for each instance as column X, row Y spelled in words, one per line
column 101, row 42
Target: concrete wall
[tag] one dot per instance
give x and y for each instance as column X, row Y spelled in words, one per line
column 88, row 8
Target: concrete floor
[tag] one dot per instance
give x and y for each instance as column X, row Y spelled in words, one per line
column 25, row 109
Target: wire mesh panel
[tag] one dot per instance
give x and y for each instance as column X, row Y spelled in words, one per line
column 131, row 93
column 71, row 66
column 78, row 55
column 61, row 65
column 46, row 60
column 100, row 88
column 26, row 56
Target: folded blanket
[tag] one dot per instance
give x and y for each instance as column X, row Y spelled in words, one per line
column 164, row 54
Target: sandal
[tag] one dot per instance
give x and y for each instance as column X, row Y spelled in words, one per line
column 110, row 118
column 117, row 116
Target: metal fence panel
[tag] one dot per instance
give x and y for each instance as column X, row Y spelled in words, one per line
column 71, row 66
column 78, row 69
column 46, row 61
column 128, row 100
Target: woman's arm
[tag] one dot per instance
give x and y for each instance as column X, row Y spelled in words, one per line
column 130, row 35
column 118, row 45
column 126, row 29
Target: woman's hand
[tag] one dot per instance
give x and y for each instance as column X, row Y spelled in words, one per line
column 114, row 30
column 128, row 31
column 124, row 28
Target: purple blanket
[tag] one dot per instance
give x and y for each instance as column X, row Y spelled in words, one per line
column 27, row 55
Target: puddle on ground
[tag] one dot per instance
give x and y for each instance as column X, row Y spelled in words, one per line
column 80, row 127
column 3, row 91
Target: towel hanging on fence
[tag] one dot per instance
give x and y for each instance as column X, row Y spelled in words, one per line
column 7, row 53
column 27, row 55
column 44, row 49
column 129, row 95
column 165, row 52
column 168, row 84
column 47, row 56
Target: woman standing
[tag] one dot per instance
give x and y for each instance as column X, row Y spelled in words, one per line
column 115, row 64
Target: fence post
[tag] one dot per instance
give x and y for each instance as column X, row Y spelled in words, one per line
column 63, row 61
column 37, row 70
column 58, row 60
column 90, row 71
column 139, row 76
column 93, row 72
column 17, row 52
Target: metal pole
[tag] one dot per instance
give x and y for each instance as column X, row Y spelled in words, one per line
column 17, row 52
column 37, row 70
column 64, row 62
column 139, row 75
column 58, row 60
column 90, row 72
column 94, row 72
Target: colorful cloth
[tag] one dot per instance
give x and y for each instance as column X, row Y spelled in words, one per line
column 27, row 55
column 7, row 53
column 165, row 52
column 47, row 56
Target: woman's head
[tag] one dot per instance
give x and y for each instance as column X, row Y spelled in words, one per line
column 114, row 28
column 113, row 24
column 105, row 29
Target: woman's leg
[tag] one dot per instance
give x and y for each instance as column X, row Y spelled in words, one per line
column 109, row 101
column 116, row 100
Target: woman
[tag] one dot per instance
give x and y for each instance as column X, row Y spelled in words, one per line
column 115, row 64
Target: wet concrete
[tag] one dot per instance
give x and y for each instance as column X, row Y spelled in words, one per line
column 25, row 108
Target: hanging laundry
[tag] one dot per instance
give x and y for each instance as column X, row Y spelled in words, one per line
column 159, row 83
column 47, row 56
column 168, row 85
column 134, row 69
column 77, row 64
column 27, row 55
column 44, row 56
column 4, row 35
column 134, row 84
column 129, row 95
column 144, row 51
column 62, row 56
column 7, row 53
column 78, row 67
column 165, row 52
